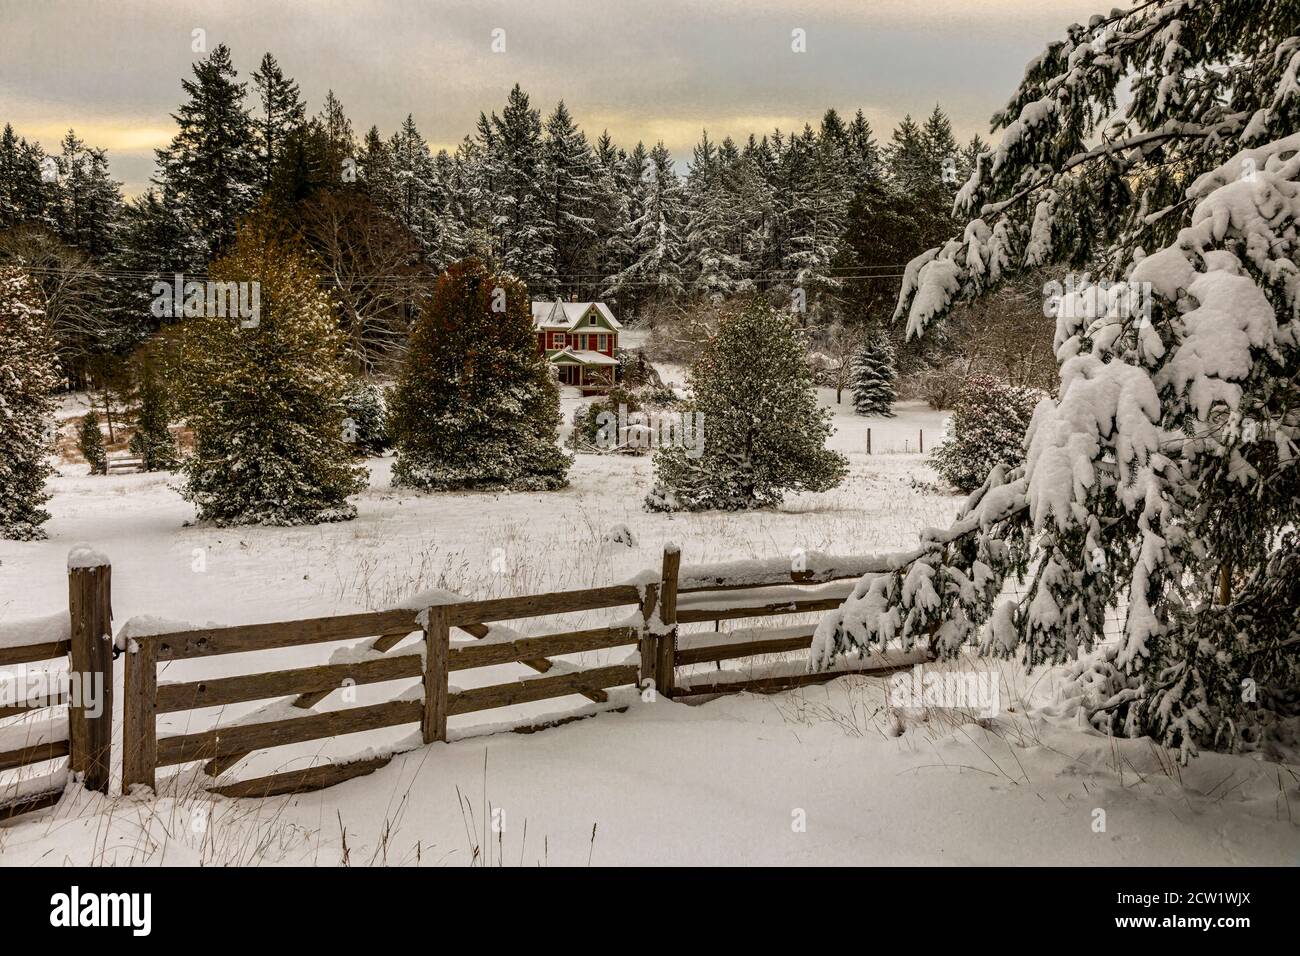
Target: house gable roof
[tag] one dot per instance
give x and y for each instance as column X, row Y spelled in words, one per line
column 568, row 315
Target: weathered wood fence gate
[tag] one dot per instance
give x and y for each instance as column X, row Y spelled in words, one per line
column 658, row 606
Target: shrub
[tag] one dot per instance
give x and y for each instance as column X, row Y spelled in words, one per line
column 987, row 427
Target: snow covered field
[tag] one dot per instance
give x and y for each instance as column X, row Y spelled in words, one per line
column 823, row 775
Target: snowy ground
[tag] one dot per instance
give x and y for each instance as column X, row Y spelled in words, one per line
column 821, row 775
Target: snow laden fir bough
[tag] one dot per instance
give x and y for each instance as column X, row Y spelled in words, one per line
column 1161, row 480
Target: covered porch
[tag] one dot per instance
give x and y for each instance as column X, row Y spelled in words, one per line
column 591, row 372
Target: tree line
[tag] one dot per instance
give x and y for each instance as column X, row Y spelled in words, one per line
column 825, row 214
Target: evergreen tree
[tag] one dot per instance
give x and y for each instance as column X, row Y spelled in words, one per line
column 25, row 195
column 152, row 441
column 282, row 112
column 711, row 224
column 812, row 207
column 28, row 377
column 152, row 244
column 656, row 241
column 265, row 399
column 911, row 161
column 87, row 199
column 863, row 152
column 210, row 170
column 987, row 425
column 511, row 186
column 942, row 155
column 366, row 425
column 1160, row 482
column 90, row 442
column 764, row 433
column 873, row 376
column 476, row 406
column 571, row 187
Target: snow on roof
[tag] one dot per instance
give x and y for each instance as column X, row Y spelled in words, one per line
column 583, row 357
column 566, row 315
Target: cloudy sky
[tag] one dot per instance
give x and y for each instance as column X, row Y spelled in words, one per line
column 643, row 69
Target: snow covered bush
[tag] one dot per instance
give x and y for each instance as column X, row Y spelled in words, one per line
column 476, row 406
column 764, row 433
column 1160, row 482
column 987, row 426
column 265, row 400
column 90, row 442
column 28, row 377
column 365, row 418
column 873, row 376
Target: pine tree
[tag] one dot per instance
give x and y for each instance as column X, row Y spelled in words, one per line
column 763, row 432
column 863, row 152
column 87, row 199
column 711, row 227
column 570, row 184
column 152, row 244
column 988, row 424
column 282, row 112
column 911, row 166
column 366, row 425
column 656, row 240
column 1160, row 482
column 90, row 442
column 511, row 187
column 152, row 441
column 265, row 398
column 210, row 170
column 942, row 155
column 873, row 376
column 476, row 406
column 28, row 377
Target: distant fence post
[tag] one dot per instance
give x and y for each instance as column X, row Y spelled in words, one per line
column 90, row 612
column 868, row 441
column 437, row 647
column 920, row 439
column 666, row 641
column 140, row 714
column 648, row 605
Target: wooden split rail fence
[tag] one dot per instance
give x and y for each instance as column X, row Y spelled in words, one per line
column 84, row 733
column 663, row 611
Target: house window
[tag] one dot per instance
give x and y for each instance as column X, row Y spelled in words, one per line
column 600, row 339
column 591, row 319
column 559, row 340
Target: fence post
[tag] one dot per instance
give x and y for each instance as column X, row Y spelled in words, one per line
column 90, row 613
column 920, row 439
column 140, row 713
column 437, row 646
column 648, row 605
column 666, row 640
column 868, row 441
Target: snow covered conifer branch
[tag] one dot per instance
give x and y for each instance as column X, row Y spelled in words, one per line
column 1161, row 481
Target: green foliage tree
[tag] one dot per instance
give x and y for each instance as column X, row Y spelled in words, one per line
column 264, row 396
column 152, row 441
column 988, row 424
column 90, row 442
column 764, row 433
column 366, row 424
column 476, row 405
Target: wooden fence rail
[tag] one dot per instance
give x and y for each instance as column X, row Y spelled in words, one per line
column 84, row 733
column 668, row 604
